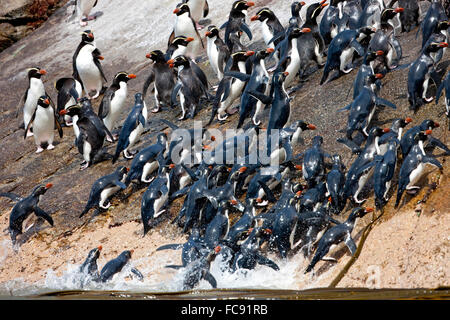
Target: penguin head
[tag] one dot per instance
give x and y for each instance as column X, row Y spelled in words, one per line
column 73, row 110
column 181, row 41
column 442, row 25
column 429, row 124
column 179, row 61
column 422, row 135
column 359, row 213
column 40, row 189
column 436, row 46
column 162, row 138
column 377, row 132
column 279, row 77
column 303, row 125
column 36, row 72
column 242, row 55
column 123, row 76
column 156, row 56
column 372, row 55
column 297, row 32
column 94, row 254
column 126, row 255
column 405, row 122
column 241, row 5
column 390, row 13
column 371, row 79
column 263, row 14
column 262, row 54
column 122, row 170
column 182, row 8
column 314, row 10
column 296, row 6
column 212, row 32
column 138, row 99
column 43, row 101
column 365, row 32
column 87, row 36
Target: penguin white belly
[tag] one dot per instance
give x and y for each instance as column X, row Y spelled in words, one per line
column 259, row 105
column 185, row 27
column 43, row 125
column 184, row 181
column 68, row 119
column 415, row 176
column 85, row 6
column 213, row 56
column 159, row 203
column 294, row 65
column 196, row 9
column 267, row 34
column 35, row 91
column 105, row 194
column 235, row 91
column 148, row 169
column 87, row 151
column 346, row 59
column 371, row 114
column 135, row 135
column 76, row 130
column 116, row 106
column 390, row 57
column 89, row 73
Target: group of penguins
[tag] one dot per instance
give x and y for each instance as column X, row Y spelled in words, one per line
column 351, row 34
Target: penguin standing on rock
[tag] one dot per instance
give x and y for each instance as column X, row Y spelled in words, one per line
column 31, row 96
column 24, row 207
column 199, row 9
column 113, row 99
column 44, row 122
column 132, row 129
column 337, row 234
column 69, row 90
column 164, row 79
column 236, row 22
column 104, row 188
column 270, row 26
column 86, row 65
column 217, row 51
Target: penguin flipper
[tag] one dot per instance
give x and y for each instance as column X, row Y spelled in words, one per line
column 190, row 172
column 439, row 91
column 261, row 97
column 433, row 161
column 29, row 124
column 12, row 196
column 173, row 97
column 384, row 102
column 398, row 48
column 170, row 124
column 358, row 47
column 141, row 120
column 120, row 184
column 269, row 193
column 347, row 107
column 180, row 192
column 267, row 262
column 105, row 105
column 246, row 29
column 276, row 37
column 148, row 81
column 210, row 278
column 21, row 102
column 97, row 57
column 435, row 142
column 41, row 213
column 238, row 75
column 205, row 9
column 170, row 246
column 350, row 244
column 365, row 168
column 137, row 273
column 171, row 37
column 58, row 126
column 172, row 266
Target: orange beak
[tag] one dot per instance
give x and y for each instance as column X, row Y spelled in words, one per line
column 436, row 125
column 42, row 71
column 148, row 55
column 443, row 44
column 62, row 112
column 127, row 169
column 386, row 130
column 254, row 18
column 99, row 248
column 243, row 169
column 305, row 30
column 132, row 76
column 311, row 127
column 379, row 76
column 48, row 186
column 189, row 39
column 270, row 50
column 250, row 4
column 286, row 73
column 208, row 33
column 249, row 53
column 324, row 5
column 90, row 35
column 100, row 58
column 268, row 231
column 176, row 10
column 213, row 138
column 380, row 52
column 369, row 210
column 408, row 120
column 233, row 202
column 171, row 166
column 303, row 3
column 46, row 101
column 398, row 10
column 298, row 166
column 217, row 249
column 298, row 193
column 259, row 200
column 428, row 132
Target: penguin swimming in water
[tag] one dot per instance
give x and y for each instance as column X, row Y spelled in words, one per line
column 116, row 265
column 86, row 65
column 164, row 79
column 104, row 188
column 199, row 269
column 69, row 91
column 114, row 98
column 44, row 122
column 132, row 129
column 186, row 26
column 337, row 234
column 89, row 267
column 217, row 50
column 30, row 98
column 236, row 22
column 283, row 229
column 190, row 86
column 419, row 75
column 219, row 226
column 414, row 167
column 341, row 51
column 24, row 207
column 230, row 88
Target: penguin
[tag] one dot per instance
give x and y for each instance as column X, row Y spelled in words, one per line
column 164, row 79
column 218, row 53
column 337, row 234
column 395, row 132
column 294, row 131
column 236, row 22
column 407, row 141
column 313, row 167
column 290, row 60
column 270, row 26
column 434, row 15
column 445, row 84
column 86, row 65
column 330, row 24
column 371, row 14
column 356, row 178
column 257, row 81
column 230, row 88
column 104, row 188
column 155, row 197
column 116, row 265
column 69, row 91
column 24, row 208
column 283, row 229
column 312, row 198
column 191, row 88
column 350, row 11
column 114, row 99
column 199, row 269
column 440, row 35
column 44, row 122
column 132, row 129
column 30, row 98
column 415, row 166
column 419, row 75
column 368, row 67
column 177, row 47
column 89, row 267
column 199, row 9
column 335, row 184
column 363, row 108
column 186, row 26
column 249, row 254
column 296, row 20
column 145, row 162
column 219, row 226
column 341, row 51
column 245, row 222
column 84, row 7
column 409, row 18
column 191, row 250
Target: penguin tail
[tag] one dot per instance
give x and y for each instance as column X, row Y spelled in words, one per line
column 397, row 201
column 84, row 211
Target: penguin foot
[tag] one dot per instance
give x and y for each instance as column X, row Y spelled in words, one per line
column 413, row 191
column 129, row 155
column 358, row 201
column 156, row 109
column 39, row 150
column 199, row 26
column 347, row 71
column 30, row 134
column 222, row 117
column 89, row 18
column 50, row 147
column 147, row 180
column 84, row 165
column 428, row 99
column 83, row 23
